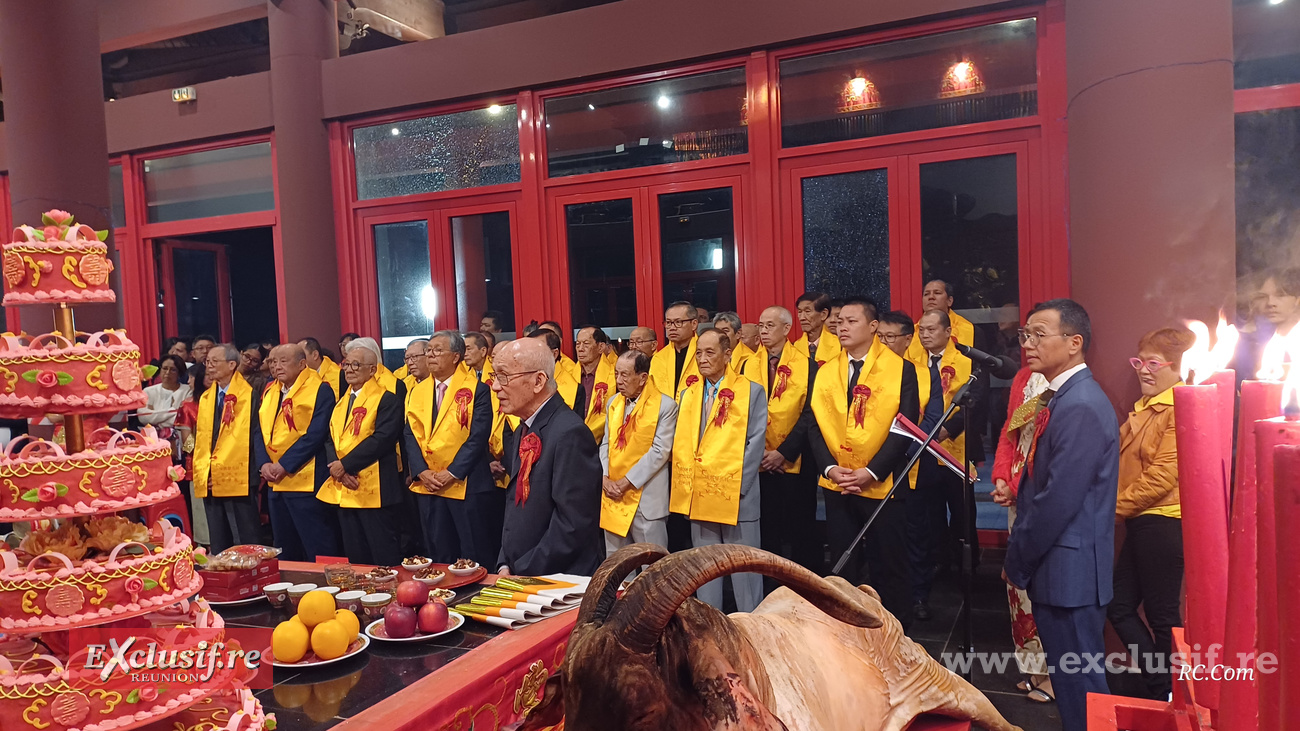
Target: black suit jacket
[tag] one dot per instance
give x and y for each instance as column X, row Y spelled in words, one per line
column 381, row 447
column 471, row 460
column 892, row 455
column 558, row 528
column 310, row 446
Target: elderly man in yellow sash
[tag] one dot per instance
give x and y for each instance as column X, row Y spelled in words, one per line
column 293, row 426
column 448, row 425
column 854, row 401
column 673, row 367
column 225, row 472
column 415, row 364
column 318, row 360
column 597, row 377
column 749, row 336
column 643, row 339
column 636, row 453
column 818, row 341
column 717, row 450
column 788, row 477
column 566, row 380
column 478, row 346
column 362, row 460
column 938, row 491
column 563, row 362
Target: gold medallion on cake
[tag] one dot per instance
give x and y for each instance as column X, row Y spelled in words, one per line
column 70, row 708
column 65, row 600
column 126, row 374
column 117, row 480
column 95, row 268
column 14, row 270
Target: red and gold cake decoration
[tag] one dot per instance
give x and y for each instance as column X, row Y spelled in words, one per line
column 61, row 261
column 51, row 373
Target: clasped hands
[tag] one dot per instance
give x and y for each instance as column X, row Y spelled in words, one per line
column 1002, row 494
column 272, row 472
column 436, row 480
column 850, row 481
column 774, row 461
column 615, row 489
column 341, row 475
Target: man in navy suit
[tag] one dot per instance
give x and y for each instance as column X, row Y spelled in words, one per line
column 552, row 521
column 1062, row 547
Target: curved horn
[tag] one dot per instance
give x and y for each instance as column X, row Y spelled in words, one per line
column 601, row 593
column 652, row 600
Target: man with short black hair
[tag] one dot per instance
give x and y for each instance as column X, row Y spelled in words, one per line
column 597, row 377
column 1063, row 547
column 895, row 331
column 813, row 310
column 318, row 359
column 674, row 364
column 476, row 354
column 199, row 350
column 566, row 383
column 833, row 321
column 490, row 322
column 938, row 295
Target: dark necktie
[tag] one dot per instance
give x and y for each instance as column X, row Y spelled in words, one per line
column 936, row 379
column 855, row 371
column 352, row 399
column 772, row 362
column 218, row 411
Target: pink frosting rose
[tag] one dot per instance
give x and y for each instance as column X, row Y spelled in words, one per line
column 148, row 693
column 47, row 379
column 47, row 493
column 51, row 233
column 58, row 216
column 176, row 473
column 134, row 585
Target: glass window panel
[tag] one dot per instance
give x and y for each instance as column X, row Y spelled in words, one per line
column 210, row 183
column 407, row 302
column 1268, row 212
column 846, row 234
column 430, row 154
column 690, row 118
column 698, row 248
column 1264, row 47
column 198, row 309
column 484, row 273
column 602, row 263
column 903, row 86
column 116, row 197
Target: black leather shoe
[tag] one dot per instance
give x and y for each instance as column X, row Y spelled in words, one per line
column 922, row 612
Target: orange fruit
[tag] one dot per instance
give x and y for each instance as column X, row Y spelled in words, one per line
column 350, row 620
column 316, row 607
column 289, row 641
column 330, row 639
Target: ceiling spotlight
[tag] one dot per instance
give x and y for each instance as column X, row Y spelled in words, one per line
column 664, row 102
column 394, row 131
column 1274, row 2
column 494, row 109
column 592, row 107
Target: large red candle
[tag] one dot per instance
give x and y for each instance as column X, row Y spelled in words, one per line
column 1268, row 435
column 1286, row 491
column 1202, row 455
column 1239, row 706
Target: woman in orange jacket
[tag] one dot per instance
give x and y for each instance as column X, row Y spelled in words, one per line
column 1149, row 570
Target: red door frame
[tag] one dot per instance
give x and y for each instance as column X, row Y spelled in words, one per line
column 559, row 275
column 166, row 249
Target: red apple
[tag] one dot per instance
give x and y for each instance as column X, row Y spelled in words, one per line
column 432, row 617
column 399, row 621
column 412, row 593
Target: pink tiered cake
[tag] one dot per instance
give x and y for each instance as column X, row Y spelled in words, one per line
column 52, row 374
column 62, row 261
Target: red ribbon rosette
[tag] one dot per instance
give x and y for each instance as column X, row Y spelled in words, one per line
column 725, row 397
column 358, row 414
column 623, row 432
column 598, row 398
column 488, row 381
column 228, row 410
column 692, row 380
column 286, row 409
column 860, row 395
column 783, row 374
column 946, row 374
column 530, row 448
column 464, row 398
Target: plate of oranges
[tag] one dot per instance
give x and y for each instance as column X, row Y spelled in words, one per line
column 319, row 634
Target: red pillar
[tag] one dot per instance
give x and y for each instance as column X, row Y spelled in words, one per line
column 302, row 34
column 1286, row 491
column 54, row 124
column 1152, row 227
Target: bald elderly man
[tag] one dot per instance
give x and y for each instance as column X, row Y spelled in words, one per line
column 289, row 446
column 552, row 520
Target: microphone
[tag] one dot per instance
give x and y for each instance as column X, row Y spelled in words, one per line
column 998, row 366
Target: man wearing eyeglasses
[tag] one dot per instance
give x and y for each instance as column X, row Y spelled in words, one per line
column 644, row 340
column 674, row 365
column 552, row 515
column 1062, row 548
column 362, row 455
column 225, row 466
column 896, row 331
column 417, row 366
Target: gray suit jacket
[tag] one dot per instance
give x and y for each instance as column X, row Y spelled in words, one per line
column 653, row 472
column 755, row 444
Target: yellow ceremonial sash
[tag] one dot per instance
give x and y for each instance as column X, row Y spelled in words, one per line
column 755, row 368
column 227, row 464
column 785, row 398
column 282, row 427
column 610, row 357
column 853, row 442
column 664, row 364
column 567, row 385
column 602, row 390
column 496, row 440
column 569, row 366
column 330, row 373
column 386, row 378
column 488, row 370
column 402, row 372
column 740, row 355
column 441, row 435
column 347, row 433
column 962, row 329
column 628, row 443
column 828, row 346
column 708, row 468
column 954, row 368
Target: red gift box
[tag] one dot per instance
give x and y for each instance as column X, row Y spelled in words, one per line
column 244, row 591
column 242, row 577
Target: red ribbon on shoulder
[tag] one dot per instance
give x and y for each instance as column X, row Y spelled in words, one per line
column 946, row 374
column 228, row 410
column 783, row 374
column 691, row 380
column 464, row 398
column 598, row 398
column 725, row 397
column 358, row 414
column 860, row 395
column 530, row 448
column 286, row 409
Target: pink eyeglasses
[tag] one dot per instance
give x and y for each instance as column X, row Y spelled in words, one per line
column 1151, row 365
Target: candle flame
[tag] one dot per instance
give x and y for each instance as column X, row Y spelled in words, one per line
column 1202, row 360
